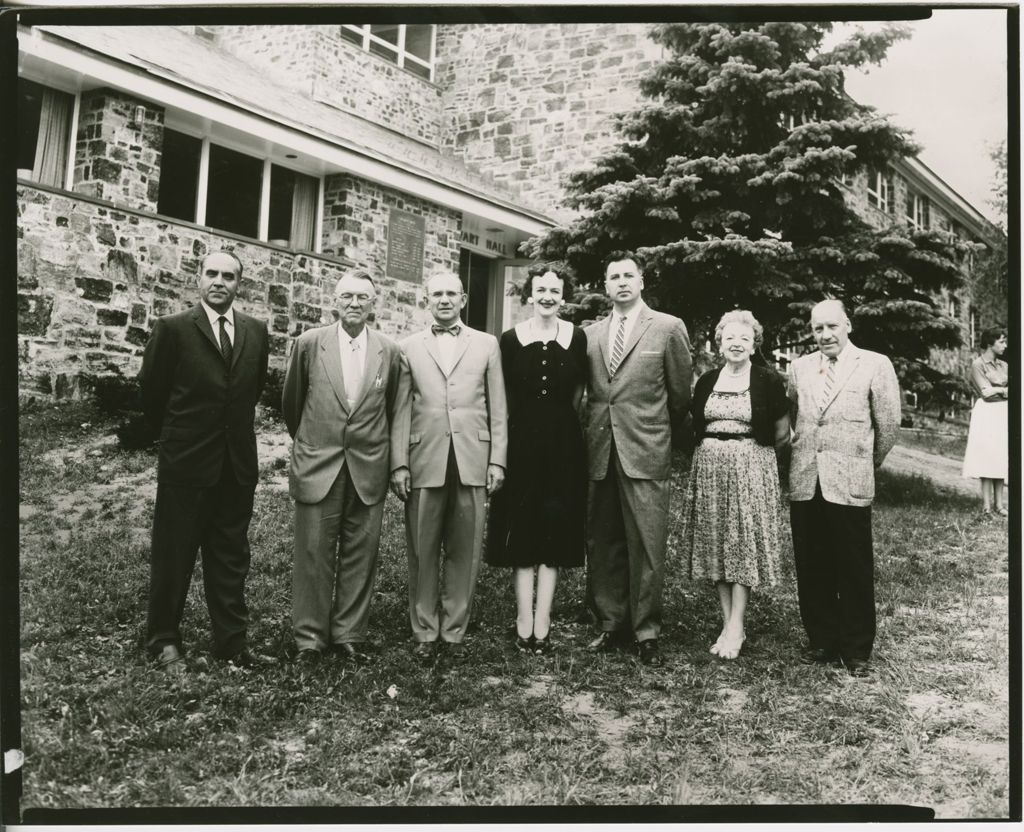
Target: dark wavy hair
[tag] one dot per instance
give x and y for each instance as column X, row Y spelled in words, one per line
column 990, row 335
column 539, row 269
column 616, row 256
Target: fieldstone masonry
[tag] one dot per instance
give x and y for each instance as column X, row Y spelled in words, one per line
column 117, row 158
column 530, row 102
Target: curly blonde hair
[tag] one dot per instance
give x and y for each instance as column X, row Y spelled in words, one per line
column 739, row 316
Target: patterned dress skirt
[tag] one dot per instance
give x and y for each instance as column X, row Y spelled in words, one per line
column 732, row 508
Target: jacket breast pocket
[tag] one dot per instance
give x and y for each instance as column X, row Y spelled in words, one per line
column 483, row 435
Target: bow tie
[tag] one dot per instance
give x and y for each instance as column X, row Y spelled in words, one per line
column 454, row 330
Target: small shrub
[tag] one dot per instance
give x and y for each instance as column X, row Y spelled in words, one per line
column 271, row 398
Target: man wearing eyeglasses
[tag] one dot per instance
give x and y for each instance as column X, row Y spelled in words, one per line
column 338, row 403
column 448, row 449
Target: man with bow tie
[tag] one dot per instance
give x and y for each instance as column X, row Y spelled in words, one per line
column 339, row 403
column 845, row 405
column 448, row 449
column 202, row 375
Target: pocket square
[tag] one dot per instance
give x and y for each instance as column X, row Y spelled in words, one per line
column 650, row 352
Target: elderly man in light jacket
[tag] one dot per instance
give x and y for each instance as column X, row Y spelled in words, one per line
column 846, row 417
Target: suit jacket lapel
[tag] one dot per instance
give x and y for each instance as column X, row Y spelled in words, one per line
column 843, row 374
column 239, row 345
column 374, row 351
column 461, row 344
column 201, row 321
column 643, row 321
column 330, row 354
column 603, row 328
column 430, row 342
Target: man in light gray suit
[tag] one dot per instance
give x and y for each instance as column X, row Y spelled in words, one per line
column 638, row 392
column 448, row 449
column 846, row 417
column 338, row 403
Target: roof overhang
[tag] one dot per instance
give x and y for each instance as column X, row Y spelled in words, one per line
column 939, row 191
column 39, row 48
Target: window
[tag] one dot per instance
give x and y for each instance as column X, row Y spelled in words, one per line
column 880, row 191
column 954, row 307
column 44, row 133
column 411, row 46
column 179, row 175
column 846, row 179
column 974, row 327
column 231, row 195
column 475, row 274
column 918, row 210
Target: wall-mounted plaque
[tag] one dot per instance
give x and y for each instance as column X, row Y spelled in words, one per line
column 406, row 233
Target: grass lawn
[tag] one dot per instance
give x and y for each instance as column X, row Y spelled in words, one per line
column 103, row 729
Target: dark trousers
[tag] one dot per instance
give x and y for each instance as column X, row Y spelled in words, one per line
column 628, row 532
column 835, row 575
column 213, row 520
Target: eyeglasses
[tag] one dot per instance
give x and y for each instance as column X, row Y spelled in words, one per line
column 346, row 297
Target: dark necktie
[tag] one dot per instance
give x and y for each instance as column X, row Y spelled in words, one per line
column 437, row 329
column 225, row 342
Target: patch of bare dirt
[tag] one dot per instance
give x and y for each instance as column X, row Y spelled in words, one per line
column 611, row 729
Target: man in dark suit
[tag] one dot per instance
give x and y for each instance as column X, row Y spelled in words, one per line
column 202, row 375
column 637, row 393
column 338, row 404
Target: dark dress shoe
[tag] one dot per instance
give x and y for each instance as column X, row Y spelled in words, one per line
column 424, row 651
column 541, row 646
column 308, row 657
column 351, row 651
column 170, row 660
column 860, row 668
column 649, row 653
column 456, row 650
column 524, row 645
column 248, row 660
column 818, row 655
column 605, row 643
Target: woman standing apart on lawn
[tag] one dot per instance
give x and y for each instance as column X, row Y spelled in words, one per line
column 536, row 520
column 732, row 509
column 987, row 454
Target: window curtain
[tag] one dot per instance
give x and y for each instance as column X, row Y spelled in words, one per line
column 51, row 160
column 303, row 212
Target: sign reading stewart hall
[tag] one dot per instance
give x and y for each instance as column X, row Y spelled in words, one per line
column 405, row 246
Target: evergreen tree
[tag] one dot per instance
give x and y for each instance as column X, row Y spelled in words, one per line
column 727, row 182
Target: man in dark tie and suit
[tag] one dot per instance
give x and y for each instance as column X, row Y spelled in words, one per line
column 448, row 448
column 638, row 392
column 845, row 406
column 338, row 404
column 202, row 375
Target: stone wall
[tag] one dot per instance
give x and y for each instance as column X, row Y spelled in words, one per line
column 92, row 278
column 318, row 63
column 529, row 103
column 355, row 227
column 117, row 158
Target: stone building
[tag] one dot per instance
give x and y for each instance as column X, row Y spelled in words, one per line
column 403, row 149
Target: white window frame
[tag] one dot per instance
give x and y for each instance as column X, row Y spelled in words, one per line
column 76, row 94
column 920, row 211
column 400, row 53
column 881, row 192
column 264, row 214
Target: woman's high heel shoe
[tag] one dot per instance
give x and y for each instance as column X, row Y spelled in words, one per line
column 524, row 645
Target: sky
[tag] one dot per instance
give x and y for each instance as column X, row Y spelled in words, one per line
column 948, row 84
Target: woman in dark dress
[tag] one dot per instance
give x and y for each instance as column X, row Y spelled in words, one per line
column 536, row 519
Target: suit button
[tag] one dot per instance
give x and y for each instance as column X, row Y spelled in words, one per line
column 543, row 378
column 545, row 361
column 543, row 392
column 544, row 347
column 447, row 433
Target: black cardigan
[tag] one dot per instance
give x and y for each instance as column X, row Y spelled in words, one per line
column 768, row 403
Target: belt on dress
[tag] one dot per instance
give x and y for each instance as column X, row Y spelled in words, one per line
column 728, row 436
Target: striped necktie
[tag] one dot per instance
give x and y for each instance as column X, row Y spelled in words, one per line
column 225, row 341
column 618, row 346
column 830, row 381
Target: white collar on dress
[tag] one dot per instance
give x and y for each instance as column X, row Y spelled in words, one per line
column 527, row 334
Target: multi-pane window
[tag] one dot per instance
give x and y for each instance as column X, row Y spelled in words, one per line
column 44, row 133
column 409, row 45
column 974, row 327
column 880, row 190
column 918, row 210
column 283, row 213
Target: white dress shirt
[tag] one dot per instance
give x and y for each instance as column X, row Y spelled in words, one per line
column 214, row 316
column 353, row 362
column 446, row 349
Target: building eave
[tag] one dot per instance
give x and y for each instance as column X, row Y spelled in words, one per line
column 149, row 83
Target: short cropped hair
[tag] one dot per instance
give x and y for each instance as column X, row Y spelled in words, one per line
column 358, row 274
column 740, row 316
column 616, row 256
column 231, row 254
column 539, row 269
column 990, row 335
